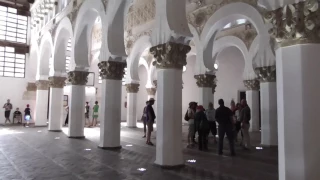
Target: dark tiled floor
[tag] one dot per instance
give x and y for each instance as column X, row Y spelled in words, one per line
column 36, row 154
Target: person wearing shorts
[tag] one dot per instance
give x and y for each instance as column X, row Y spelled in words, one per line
column 7, row 106
column 95, row 114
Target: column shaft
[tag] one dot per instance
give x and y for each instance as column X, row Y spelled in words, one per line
column 169, row 127
column 269, row 123
column 253, row 102
column 205, row 96
column 298, row 88
column 41, row 109
column 76, row 111
column 132, row 110
column 111, row 114
column 55, row 109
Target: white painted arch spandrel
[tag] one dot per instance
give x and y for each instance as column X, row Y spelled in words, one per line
column 87, row 14
column 171, row 22
column 143, row 43
column 230, row 41
column 63, row 33
column 45, row 53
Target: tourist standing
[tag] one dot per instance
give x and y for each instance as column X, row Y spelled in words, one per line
column 150, row 120
column 17, row 115
column 66, row 122
column 191, row 130
column 224, row 118
column 27, row 115
column 95, row 114
column 144, row 120
column 7, row 106
column 202, row 126
column 211, row 113
column 245, row 117
column 86, row 114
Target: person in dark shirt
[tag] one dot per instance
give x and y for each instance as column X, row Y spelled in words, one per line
column 17, row 115
column 150, row 120
column 27, row 115
column 224, row 118
column 203, row 128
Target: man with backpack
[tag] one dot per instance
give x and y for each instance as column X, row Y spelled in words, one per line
column 245, row 117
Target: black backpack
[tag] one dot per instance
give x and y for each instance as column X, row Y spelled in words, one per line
column 186, row 117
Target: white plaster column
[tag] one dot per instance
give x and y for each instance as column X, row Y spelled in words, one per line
column 56, row 103
column 298, row 87
column 111, row 73
column 169, row 106
column 78, row 81
column 205, row 82
column 41, row 109
column 132, row 90
column 252, row 97
column 268, row 99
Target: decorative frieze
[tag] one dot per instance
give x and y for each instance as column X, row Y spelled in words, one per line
column 42, row 85
column 78, row 77
column 204, row 11
column 170, row 55
column 151, row 91
column 205, row 80
column 31, row 86
column 57, row 82
column 296, row 23
column 253, row 84
column 245, row 32
column 132, row 88
column 113, row 70
column 266, row 74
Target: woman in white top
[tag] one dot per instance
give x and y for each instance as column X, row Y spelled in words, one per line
column 191, row 131
column 211, row 113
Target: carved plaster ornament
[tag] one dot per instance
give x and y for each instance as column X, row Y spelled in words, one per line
column 57, row 82
column 31, row 87
column 199, row 17
column 205, row 80
column 155, row 82
column 151, row 91
column 42, row 85
column 131, row 39
column 266, row 74
column 297, row 23
column 170, row 55
column 253, row 84
column 113, row 70
column 132, row 88
column 214, row 88
column 105, row 4
column 78, row 77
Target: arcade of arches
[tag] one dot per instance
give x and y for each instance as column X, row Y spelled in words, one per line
column 123, row 52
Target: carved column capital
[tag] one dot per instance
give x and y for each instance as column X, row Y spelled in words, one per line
column 78, row 77
column 253, row 84
column 57, row 82
column 113, row 70
column 170, row 55
column 266, row 74
column 31, row 86
column 296, row 23
column 132, row 88
column 214, row 88
column 151, row 91
column 155, row 82
column 42, row 84
column 205, row 80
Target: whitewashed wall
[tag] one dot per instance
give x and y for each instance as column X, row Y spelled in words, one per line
column 229, row 75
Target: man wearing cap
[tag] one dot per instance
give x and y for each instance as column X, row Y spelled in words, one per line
column 150, row 120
